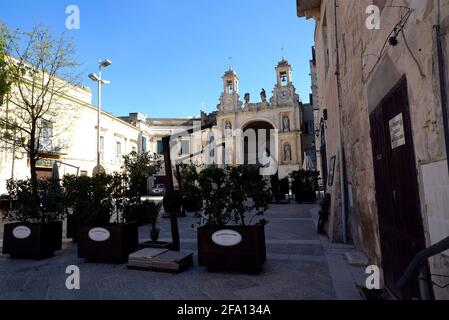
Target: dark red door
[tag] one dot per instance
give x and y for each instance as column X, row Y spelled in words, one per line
column 397, row 195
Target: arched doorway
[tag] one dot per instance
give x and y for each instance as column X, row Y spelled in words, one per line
column 253, row 132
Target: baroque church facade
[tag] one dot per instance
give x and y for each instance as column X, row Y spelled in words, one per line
column 280, row 117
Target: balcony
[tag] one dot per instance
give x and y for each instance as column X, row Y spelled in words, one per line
column 308, row 8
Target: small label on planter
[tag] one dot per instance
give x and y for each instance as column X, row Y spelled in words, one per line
column 21, row 232
column 227, row 238
column 99, row 234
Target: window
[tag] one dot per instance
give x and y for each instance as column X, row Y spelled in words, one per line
column 46, row 134
column 102, row 148
column 284, row 79
column 118, row 152
column 310, row 127
column 311, row 153
column 185, row 147
column 144, row 144
column 230, row 86
column 160, row 147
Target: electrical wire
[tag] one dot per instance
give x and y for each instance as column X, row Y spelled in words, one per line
column 399, row 27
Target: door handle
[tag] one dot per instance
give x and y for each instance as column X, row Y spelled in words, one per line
column 394, row 195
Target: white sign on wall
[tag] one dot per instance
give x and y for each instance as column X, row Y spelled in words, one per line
column 227, row 238
column 397, row 134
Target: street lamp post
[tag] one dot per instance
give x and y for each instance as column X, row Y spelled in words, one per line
column 98, row 78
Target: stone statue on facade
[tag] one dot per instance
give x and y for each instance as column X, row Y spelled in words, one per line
column 286, row 123
column 228, row 129
column 247, row 98
column 287, row 153
column 263, row 96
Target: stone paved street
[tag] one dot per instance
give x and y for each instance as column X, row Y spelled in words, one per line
column 301, row 265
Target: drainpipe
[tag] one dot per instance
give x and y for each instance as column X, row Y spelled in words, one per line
column 443, row 93
column 340, row 133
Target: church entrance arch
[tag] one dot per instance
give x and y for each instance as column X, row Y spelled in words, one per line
column 253, row 133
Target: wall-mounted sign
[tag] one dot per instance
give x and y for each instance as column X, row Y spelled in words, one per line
column 21, row 232
column 227, row 238
column 99, row 234
column 397, row 134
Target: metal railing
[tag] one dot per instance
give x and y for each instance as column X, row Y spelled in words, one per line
column 418, row 265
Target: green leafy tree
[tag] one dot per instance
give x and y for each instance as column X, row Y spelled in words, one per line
column 230, row 194
column 249, row 193
column 214, row 190
column 47, row 207
column 91, row 198
column 137, row 168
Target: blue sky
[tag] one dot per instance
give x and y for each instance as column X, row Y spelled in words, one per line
column 169, row 55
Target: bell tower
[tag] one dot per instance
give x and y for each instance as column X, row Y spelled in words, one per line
column 284, row 73
column 284, row 93
column 229, row 100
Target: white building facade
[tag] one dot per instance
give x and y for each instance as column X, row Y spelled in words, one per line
column 71, row 141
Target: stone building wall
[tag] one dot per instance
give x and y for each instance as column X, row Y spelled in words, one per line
column 368, row 73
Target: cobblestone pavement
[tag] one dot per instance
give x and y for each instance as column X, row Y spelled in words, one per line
column 301, row 265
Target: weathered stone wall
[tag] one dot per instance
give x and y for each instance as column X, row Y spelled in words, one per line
column 367, row 74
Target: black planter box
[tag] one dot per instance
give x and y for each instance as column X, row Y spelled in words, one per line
column 123, row 239
column 302, row 196
column 32, row 240
column 73, row 227
column 249, row 255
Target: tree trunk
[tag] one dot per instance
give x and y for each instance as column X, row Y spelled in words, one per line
column 33, row 173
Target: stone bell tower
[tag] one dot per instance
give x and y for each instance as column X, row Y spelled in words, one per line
column 284, row 93
column 230, row 99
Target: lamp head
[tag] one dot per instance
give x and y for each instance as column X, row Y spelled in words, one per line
column 105, row 63
column 94, row 77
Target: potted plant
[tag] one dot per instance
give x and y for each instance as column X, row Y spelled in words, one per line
column 100, row 239
column 137, row 169
column 305, row 185
column 226, row 239
column 35, row 231
column 152, row 211
column 187, row 175
column 76, row 190
column 279, row 189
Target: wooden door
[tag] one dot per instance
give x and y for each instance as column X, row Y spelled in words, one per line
column 397, row 194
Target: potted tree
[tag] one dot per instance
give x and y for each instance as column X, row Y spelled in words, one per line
column 305, row 185
column 187, row 176
column 76, row 191
column 279, row 189
column 36, row 228
column 137, row 168
column 152, row 211
column 227, row 238
column 100, row 239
